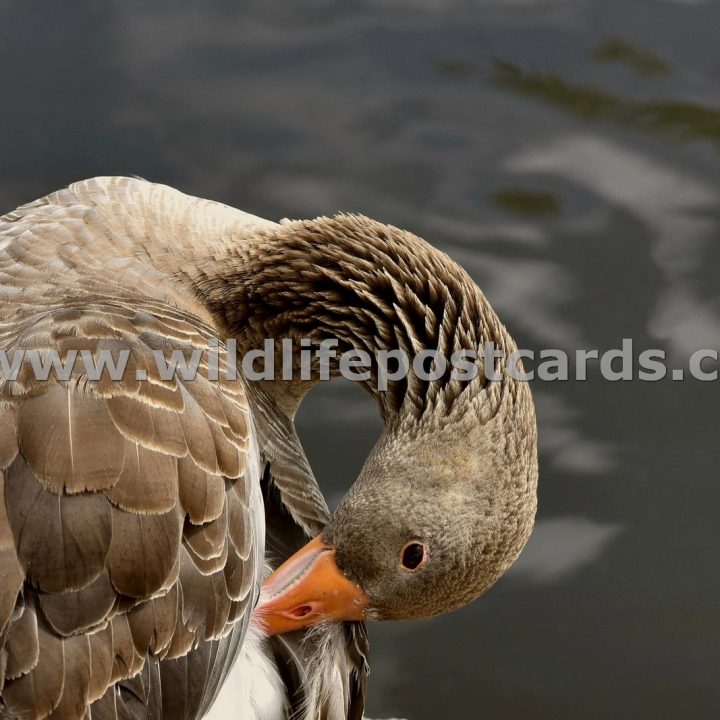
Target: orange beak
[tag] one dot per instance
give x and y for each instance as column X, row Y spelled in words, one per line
column 306, row 589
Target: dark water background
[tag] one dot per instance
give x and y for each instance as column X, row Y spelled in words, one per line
column 566, row 152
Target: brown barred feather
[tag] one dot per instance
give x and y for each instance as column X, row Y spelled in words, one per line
column 202, row 496
column 22, row 644
column 143, row 551
column 78, row 611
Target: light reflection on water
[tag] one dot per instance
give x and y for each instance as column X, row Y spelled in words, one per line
column 565, row 152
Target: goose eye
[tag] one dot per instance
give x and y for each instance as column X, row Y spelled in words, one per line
column 413, row 555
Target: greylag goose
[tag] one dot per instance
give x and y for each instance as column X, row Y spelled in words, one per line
column 141, row 513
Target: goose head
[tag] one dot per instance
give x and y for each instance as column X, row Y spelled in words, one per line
column 431, row 523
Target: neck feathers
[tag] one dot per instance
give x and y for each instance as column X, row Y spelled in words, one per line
column 372, row 287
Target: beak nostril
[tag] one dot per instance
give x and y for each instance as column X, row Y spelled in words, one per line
column 300, row 611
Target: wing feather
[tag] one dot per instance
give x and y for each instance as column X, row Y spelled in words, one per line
column 36, row 694
column 152, row 623
column 11, row 572
column 144, row 551
column 134, row 493
column 8, row 437
column 208, row 541
column 101, row 662
column 54, row 428
column 22, row 643
column 202, row 496
column 73, row 612
column 62, row 540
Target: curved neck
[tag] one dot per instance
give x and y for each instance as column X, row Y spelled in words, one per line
column 372, row 287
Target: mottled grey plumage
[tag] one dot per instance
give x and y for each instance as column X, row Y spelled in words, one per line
column 133, row 513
